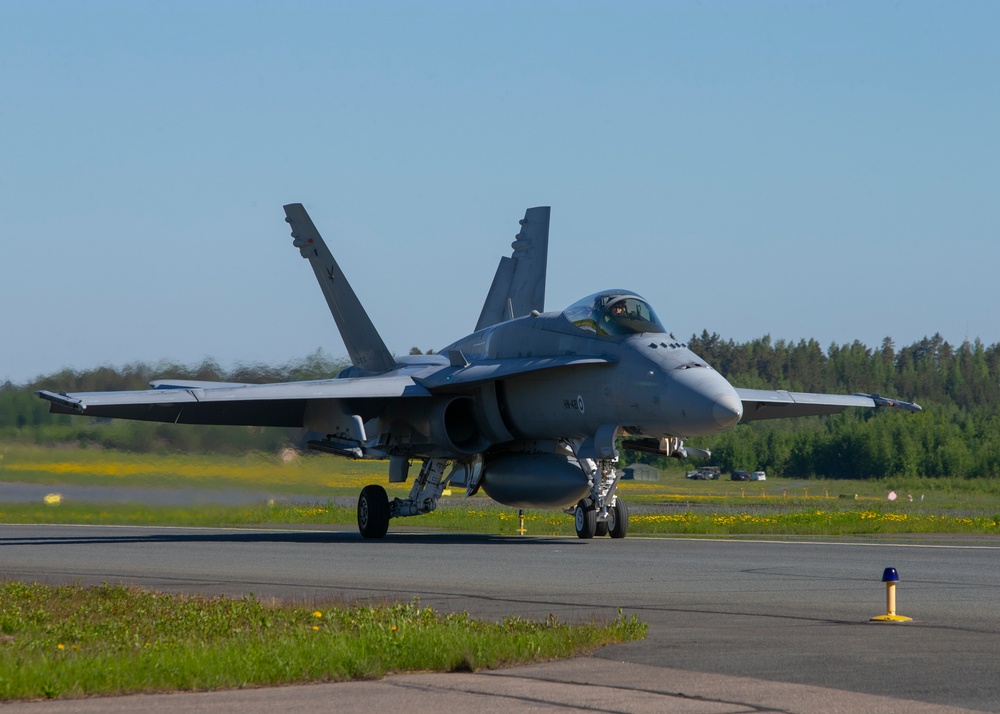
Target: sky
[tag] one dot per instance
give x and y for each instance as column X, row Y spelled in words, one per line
column 804, row 170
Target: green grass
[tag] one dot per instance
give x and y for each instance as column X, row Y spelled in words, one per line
column 310, row 474
column 72, row 641
column 831, row 518
column 674, row 505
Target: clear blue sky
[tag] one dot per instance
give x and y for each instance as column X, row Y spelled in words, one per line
column 825, row 170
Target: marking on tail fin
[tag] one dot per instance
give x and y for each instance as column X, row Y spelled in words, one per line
column 364, row 344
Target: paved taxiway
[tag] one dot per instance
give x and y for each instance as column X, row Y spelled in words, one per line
column 734, row 625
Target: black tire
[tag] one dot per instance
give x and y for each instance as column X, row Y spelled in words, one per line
column 620, row 527
column 601, row 530
column 586, row 518
column 373, row 512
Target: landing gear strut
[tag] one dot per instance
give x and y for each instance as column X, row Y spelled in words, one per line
column 375, row 509
column 602, row 513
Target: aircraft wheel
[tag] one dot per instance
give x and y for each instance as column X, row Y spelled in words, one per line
column 619, row 529
column 609, row 525
column 586, row 518
column 601, row 529
column 373, row 512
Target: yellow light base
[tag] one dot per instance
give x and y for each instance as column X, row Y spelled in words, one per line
column 891, row 618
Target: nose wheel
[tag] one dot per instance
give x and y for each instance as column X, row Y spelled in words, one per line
column 587, row 525
column 585, row 519
column 617, row 522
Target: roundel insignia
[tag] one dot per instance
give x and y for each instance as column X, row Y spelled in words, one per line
column 579, row 403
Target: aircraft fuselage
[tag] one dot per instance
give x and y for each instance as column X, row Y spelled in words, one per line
column 653, row 385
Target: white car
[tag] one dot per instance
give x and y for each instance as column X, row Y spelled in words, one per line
column 758, row 476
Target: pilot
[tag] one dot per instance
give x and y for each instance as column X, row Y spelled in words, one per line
column 610, row 322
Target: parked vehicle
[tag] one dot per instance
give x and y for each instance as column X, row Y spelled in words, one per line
column 740, row 475
column 705, row 473
column 758, row 476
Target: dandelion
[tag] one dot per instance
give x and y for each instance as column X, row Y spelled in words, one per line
column 393, row 628
column 317, row 614
column 315, row 627
column 60, row 646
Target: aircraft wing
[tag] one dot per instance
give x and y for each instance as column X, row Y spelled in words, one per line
column 284, row 403
column 197, row 402
column 779, row 404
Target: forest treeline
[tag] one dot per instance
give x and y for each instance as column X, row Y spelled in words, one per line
column 957, row 434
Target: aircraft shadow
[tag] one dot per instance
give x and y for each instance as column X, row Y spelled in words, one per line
column 271, row 536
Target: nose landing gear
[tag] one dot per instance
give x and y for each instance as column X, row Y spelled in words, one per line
column 602, row 513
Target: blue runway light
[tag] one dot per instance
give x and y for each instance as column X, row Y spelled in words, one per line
column 890, row 577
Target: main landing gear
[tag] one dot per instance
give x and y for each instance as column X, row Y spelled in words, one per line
column 602, row 512
column 375, row 509
column 373, row 512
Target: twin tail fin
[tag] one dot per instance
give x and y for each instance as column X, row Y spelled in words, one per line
column 364, row 344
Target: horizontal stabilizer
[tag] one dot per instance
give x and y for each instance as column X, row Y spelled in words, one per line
column 192, row 384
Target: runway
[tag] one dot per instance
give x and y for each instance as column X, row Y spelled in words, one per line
column 768, row 612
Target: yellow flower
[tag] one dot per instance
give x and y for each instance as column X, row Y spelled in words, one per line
column 317, row 614
column 315, row 627
column 61, row 646
column 393, row 628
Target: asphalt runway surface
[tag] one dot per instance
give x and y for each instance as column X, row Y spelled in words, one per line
column 726, row 616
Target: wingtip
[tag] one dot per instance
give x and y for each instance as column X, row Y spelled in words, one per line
column 62, row 400
column 881, row 401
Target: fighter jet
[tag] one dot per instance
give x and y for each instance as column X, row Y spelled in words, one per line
column 529, row 407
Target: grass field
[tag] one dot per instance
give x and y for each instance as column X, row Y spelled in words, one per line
column 72, row 641
column 309, row 474
column 673, row 505
column 75, row 641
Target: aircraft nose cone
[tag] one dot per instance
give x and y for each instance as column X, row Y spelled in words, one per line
column 727, row 410
column 700, row 402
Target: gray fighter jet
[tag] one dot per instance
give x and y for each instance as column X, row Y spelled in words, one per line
column 528, row 408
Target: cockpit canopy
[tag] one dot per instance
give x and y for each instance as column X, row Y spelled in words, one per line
column 614, row 312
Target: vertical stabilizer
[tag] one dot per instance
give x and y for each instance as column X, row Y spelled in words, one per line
column 519, row 283
column 364, row 345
